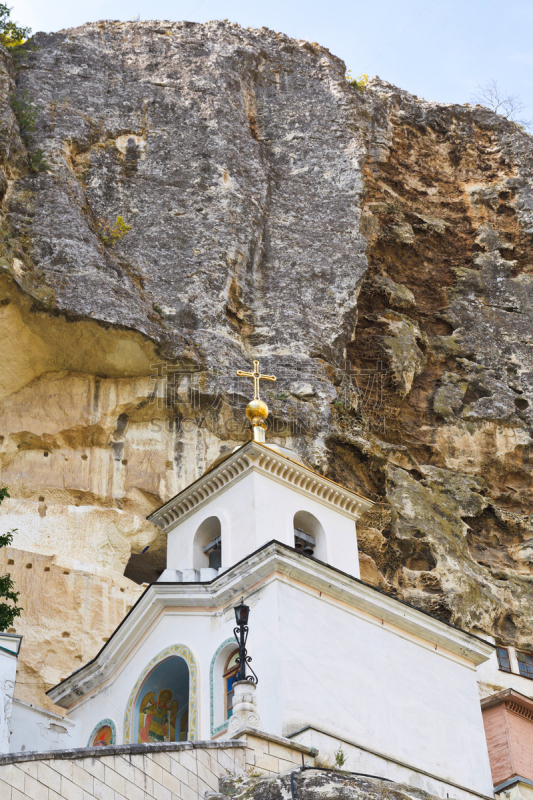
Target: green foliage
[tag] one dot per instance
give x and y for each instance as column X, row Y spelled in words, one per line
column 110, row 234
column 37, row 161
column 158, row 310
column 7, row 612
column 26, row 111
column 252, row 772
column 23, row 105
column 340, row 758
column 357, row 83
column 11, row 34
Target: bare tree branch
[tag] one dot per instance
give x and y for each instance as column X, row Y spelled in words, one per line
column 507, row 105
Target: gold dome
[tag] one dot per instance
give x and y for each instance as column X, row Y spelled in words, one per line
column 256, row 411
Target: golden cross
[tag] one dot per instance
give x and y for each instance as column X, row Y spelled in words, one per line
column 256, row 375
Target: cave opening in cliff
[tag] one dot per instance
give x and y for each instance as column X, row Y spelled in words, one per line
column 145, row 567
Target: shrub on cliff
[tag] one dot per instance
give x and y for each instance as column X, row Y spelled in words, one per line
column 11, row 34
column 359, row 83
column 8, row 611
column 109, row 233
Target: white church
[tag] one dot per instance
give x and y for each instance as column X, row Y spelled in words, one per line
column 341, row 667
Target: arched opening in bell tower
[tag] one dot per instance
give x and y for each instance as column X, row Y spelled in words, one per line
column 309, row 536
column 207, row 544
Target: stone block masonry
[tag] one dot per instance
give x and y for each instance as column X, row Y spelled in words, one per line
column 267, row 754
column 180, row 771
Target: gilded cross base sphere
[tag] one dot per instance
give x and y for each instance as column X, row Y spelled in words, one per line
column 257, row 411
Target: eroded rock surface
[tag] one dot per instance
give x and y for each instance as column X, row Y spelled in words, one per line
column 69, row 614
column 373, row 250
column 314, row 785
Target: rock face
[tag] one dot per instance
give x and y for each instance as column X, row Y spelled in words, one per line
column 313, row 785
column 210, row 194
column 68, row 616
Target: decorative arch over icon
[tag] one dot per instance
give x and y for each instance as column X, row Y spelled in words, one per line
column 163, row 704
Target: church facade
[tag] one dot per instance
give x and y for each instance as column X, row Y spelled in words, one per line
column 342, row 667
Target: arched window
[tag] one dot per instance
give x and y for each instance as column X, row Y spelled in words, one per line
column 221, row 677
column 230, row 674
column 207, row 547
column 309, row 537
column 162, row 704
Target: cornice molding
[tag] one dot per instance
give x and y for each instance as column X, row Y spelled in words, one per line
column 514, row 701
column 518, row 708
column 219, row 594
column 265, row 460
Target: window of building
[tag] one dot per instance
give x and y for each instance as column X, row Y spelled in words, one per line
column 503, row 659
column 230, row 675
column 525, row 664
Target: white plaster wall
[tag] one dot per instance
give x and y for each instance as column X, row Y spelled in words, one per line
column 34, row 728
column 276, row 505
column 361, row 761
column 237, row 505
column 253, row 511
column 8, row 670
column 358, row 678
column 203, row 633
column 492, row 679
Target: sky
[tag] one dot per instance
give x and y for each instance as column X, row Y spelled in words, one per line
column 437, row 49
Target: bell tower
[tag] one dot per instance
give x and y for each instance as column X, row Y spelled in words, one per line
column 258, row 493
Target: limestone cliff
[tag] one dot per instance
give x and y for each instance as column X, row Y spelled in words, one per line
column 69, row 613
column 372, row 249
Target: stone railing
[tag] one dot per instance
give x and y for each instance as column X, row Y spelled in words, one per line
column 181, row 771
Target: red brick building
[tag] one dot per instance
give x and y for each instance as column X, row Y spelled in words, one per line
column 508, row 720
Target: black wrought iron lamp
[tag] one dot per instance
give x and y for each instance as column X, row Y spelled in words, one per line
column 242, row 613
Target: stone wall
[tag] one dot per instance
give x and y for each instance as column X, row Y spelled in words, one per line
column 184, row 771
column 267, row 754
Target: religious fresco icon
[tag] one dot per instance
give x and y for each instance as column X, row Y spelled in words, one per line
column 157, row 718
column 161, row 710
column 103, row 734
column 102, row 737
